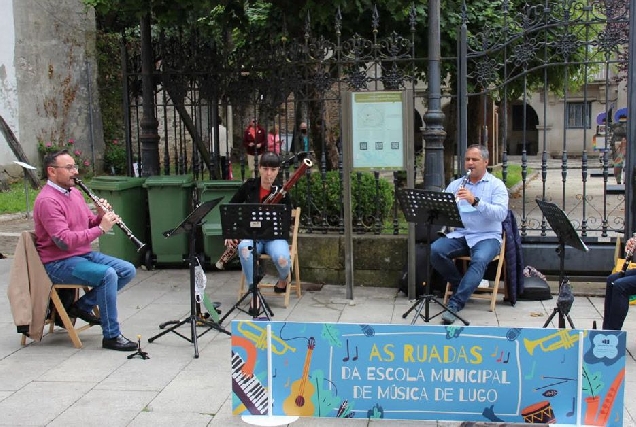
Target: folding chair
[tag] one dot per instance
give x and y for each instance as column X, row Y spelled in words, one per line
column 295, row 268
column 490, row 293
column 58, row 307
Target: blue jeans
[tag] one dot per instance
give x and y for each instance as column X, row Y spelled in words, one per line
column 617, row 293
column 106, row 274
column 443, row 252
column 277, row 249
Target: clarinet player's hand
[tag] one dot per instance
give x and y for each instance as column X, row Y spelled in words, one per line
column 231, row 242
column 103, row 207
column 108, row 221
column 464, row 194
column 630, row 245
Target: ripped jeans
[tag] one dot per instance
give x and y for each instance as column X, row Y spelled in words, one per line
column 106, row 274
column 277, row 249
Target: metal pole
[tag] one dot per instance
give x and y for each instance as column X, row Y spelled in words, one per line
column 26, row 190
column 630, row 162
column 434, row 133
column 149, row 136
column 90, row 113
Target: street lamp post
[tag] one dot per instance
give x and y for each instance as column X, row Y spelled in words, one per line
column 434, row 133
column 149, row 136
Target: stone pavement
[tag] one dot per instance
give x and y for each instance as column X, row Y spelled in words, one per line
column 51, row 383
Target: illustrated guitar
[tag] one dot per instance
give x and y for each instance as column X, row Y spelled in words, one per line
column 299, row 400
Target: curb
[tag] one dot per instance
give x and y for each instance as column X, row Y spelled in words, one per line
column 11, row 217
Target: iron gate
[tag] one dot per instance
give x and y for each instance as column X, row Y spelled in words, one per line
column 536, row 84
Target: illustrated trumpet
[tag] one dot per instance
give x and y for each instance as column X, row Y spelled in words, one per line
column 140, row 245
column 564, row 339
column 259, row 338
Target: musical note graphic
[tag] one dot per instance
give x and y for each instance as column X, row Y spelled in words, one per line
column 495, row 352
column 507, row 358
column 274, row 374
column 346, row 359
column 563, row 361
column 531, row 374
column 571, row 413
column 500, row 357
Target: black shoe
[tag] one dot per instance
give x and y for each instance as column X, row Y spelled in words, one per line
column 280, row 290
column 253, row 311
column 120, row 343
column 86, row 316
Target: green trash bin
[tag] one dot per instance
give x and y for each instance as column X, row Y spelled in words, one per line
column 213, row 241
column 127, row 197
column 169, row 203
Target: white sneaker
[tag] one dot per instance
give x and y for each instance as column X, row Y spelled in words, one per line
column 484, row 284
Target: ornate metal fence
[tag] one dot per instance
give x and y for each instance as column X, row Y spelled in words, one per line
column 538, row 82
column 558, row 72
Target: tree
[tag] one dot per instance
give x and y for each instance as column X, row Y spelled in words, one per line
column 239, row 32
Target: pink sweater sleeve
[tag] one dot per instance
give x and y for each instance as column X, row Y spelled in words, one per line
column 67, row 226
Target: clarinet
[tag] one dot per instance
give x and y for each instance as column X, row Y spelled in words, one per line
column 120, row 223
column 464, row 182
column 442, row 231
column 629, row 255
column 274, row 197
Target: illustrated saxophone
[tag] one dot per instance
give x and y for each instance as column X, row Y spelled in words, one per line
column 140, row 245
column 629, row 256
column 275, row 197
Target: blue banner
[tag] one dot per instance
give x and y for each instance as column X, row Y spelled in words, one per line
column 427, row 372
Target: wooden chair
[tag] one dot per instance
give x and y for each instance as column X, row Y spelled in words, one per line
column 58, row 307
column 267, row 289
column 490, row 293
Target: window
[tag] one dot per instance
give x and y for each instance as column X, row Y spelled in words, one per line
column 579, row 115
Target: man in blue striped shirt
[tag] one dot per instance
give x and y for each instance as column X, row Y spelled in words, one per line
column 482, row 200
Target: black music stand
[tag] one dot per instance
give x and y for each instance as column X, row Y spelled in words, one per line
column 566, row 234
column 433, row 208
column 189, row 225
column 254, row 221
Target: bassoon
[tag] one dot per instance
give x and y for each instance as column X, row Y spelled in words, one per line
column 119, row 223
column 274, row 197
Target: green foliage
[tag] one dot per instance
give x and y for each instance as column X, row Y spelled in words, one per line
column 513, row 175
column 324, row 399
column 115, row 158
column 109, row 83
column 14, row 200
column 83, row 164
column 370, row 197
column 592, row 383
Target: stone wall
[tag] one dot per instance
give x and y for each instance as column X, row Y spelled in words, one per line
column 56, row 95
column 377, row 260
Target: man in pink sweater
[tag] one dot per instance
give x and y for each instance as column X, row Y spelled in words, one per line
column 65, row 227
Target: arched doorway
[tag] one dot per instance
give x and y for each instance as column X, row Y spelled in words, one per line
column 517, row 130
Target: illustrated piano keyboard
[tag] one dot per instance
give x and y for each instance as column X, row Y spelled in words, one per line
column 248, row 389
